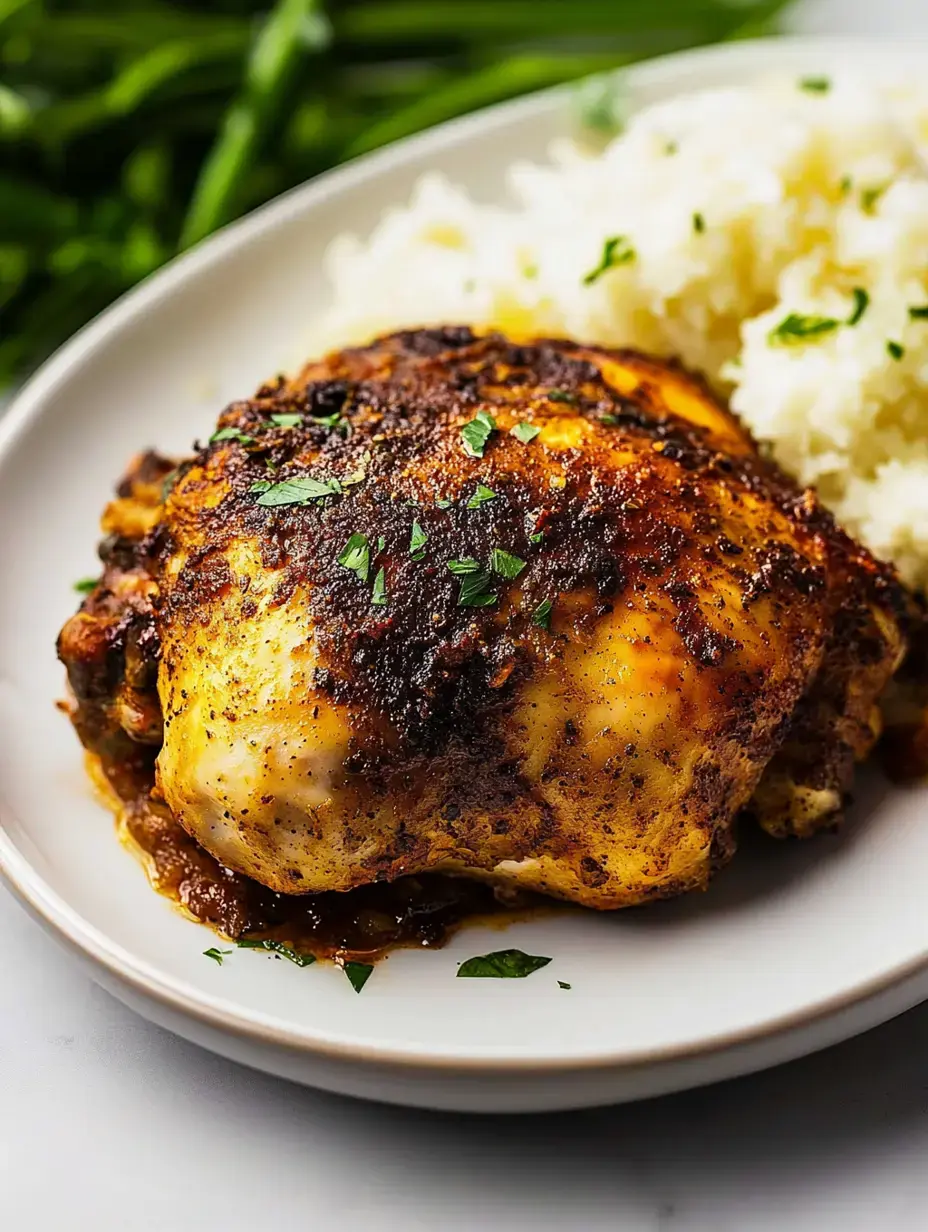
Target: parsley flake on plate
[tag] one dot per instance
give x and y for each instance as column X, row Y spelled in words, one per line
column 796, row 329
column 699, row 223
column 919, row 312
column 84, row 586
column 299, row 491
column 277, row 947
column 505, row 564
column 231, row 434
column 481, row 496
column 358, row 974
column 417, row 541
column 895, row 350
column 815, row 85
column 477, row 432
column 355, row 556
column 616, row 251
column 216, row 955
column 562, row 984
column 501, row 965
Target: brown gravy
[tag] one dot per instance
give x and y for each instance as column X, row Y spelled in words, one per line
column 360, row 925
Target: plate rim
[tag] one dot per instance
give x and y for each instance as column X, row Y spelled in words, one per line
column 227, row 1017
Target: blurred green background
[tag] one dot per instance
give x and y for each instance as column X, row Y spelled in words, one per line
column 130, row 129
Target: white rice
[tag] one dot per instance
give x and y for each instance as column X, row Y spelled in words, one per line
column 801, row 197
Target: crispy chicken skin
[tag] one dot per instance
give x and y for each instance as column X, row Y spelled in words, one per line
column 715, row 644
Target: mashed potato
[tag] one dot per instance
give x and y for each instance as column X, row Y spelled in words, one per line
column 775, row 238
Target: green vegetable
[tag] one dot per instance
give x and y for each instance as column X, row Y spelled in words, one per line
column 861, row 301
column 559, row 395
column 355, row 556
column 417, row 541
column 815, row 85
column 286, row 420
column 524, row 432
column 895, row 349
column 277, row 947
column 796, row 329
column 467, row 565
column 537, row 537
column 477, row 432
column 919, row 312
column 542, row 614
column 616, row 251
column 699, row 224
column 561, row 984
column 217, row 956
column 474, row 592
column 231, row 434
column 358, row 974
column 294, row 491
column 130, row 128
column 502, row 965
column 505, row 564
column 481, row 496
column 85, row 585
column 870, row 196
column 379, row 593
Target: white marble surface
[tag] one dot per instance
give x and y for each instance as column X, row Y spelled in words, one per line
column 107, row 1123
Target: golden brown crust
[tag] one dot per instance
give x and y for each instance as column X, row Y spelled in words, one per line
column 669, row 547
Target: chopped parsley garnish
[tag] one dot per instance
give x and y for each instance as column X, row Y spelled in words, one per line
column 444, row 503
column 168, row 482
column 526, row 432
column 815, row 85
column 465, row 565
column 845, row 185
column 536, row 537
column 379, row 593
column 616, row 251
column 560, row 395
column 505, row 564
column 919, row 312
column 895, row 349
column 334, row 421
column 481, row 496
column 477, row 432
column 699, row 223
column 870, row 196
column 299, row 491
column 861, row 301
column 84, row 586
column 671, row 147
column 562, row 984
column 796, row 329
column 216, row 955
column 474, row 592
column 355, row 556
column 288, row 419
column 609, row 420
column 277, row 947
column 358, row 974
column 502, row 965
column 417, row 541
column 541, row 617
column 381, row 543
column 231, row 434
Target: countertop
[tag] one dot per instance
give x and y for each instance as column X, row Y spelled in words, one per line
column 107, row 1123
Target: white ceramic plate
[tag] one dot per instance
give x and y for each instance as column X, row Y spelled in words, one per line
column 793, row 947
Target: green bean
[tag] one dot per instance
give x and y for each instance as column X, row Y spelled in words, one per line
column 286, row 37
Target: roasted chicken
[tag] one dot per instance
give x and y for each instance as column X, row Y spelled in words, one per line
column 541, row 614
